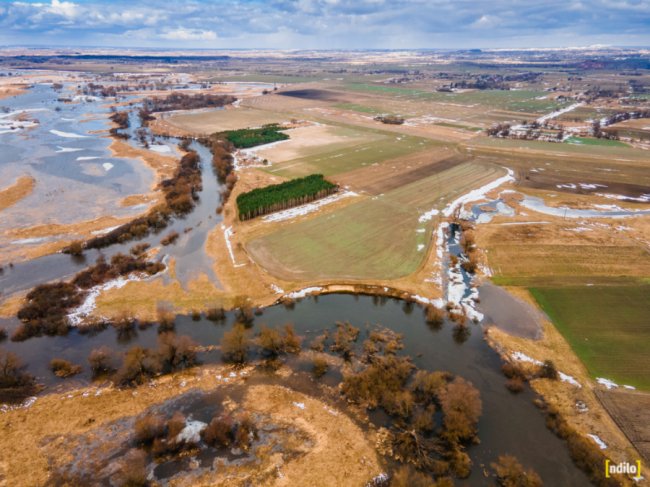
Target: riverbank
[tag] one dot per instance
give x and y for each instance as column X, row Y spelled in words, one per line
column 574, row 397
column 35, row 443
column 15, row 192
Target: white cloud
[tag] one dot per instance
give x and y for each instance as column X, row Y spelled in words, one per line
column 189, row 35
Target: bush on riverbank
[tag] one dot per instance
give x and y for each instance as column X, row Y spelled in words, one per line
column 180, row 191
column 47, row 306
column 15, row 383
column 63, row 368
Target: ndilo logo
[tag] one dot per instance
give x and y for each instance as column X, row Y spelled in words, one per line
column 625, row 468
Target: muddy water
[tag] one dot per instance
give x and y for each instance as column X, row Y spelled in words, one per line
column 509, row 424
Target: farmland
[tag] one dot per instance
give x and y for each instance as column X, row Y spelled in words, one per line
column 606, row 325
column 374, row 238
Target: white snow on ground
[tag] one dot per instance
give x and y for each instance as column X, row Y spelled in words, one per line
column 569, row 379
column 307, row 208
column 425, row 217
column 107, row 166
column 477, row 194
column 27, row 241
column 227, row 232
column 192, row 432
column 601, row 444
column 525, row 223
column 304, row 292
column 77, row 316
column 420, row 247
column 644, row 198
column 27, row 403
column 632, row 388
column 67, row 149
column 277, row 289
column 610, row 384
column 67, row 135
column 538, row 205
column 87, row 158
column 522, row 357
column 380, row 479
column 557, row 113
column 299, row 405
column 161, row 149
column 438, row 303
column 104, row 230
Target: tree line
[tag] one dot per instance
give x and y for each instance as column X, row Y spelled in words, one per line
column 245, row 138
column 275, row 197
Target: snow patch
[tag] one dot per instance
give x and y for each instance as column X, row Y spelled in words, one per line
column 601, row 444
column 68, row 135
column 191, row 433
column 307, row 208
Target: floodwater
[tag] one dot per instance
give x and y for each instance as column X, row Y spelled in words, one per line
column 509, row 424
column 188, row 250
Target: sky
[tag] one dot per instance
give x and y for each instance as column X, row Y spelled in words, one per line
column 325, row 24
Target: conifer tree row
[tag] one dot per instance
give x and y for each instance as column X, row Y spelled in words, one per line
column 276, row 197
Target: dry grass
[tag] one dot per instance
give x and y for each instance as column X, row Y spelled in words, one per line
column 12, row 194
column 209, row 122
column 33, row 437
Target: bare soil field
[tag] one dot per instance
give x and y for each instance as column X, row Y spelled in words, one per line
column 631, row 411
column 311, row 140
column 209, row 122
column 388, row 175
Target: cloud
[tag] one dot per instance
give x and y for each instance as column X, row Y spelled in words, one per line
column 189, row 35
column 307, row 24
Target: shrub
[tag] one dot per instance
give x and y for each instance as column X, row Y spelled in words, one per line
column 133, row 470
column 270, row 341
column 63, row 368
column 166, row 319
column 292, row 342
column 46, row 310
column 379, row 382
column 510, row 473
column 147, row 428
column 344, row 336
column 12, row 372
column 461, row 407
column 516, row 384
column 76, row 248
column 235, row 344
column 407, row 476
column 218, row 433
column 320, row 367
column 245, row 314
column 196, row 315
column 434, row 315
column 169, row 239
column 428, row 385
column 138, row 365
column 318, row 343
column 3, row 334
column 102, row 361
column 215, row 314
column 176, row 352
column 549, row 371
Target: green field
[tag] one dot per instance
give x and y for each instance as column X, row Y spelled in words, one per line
column 358, row 108
column 593, row 141
column 606, row 325
column 516, row 100
column 376, row 238
column 342, row 158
